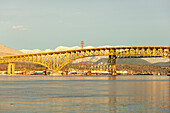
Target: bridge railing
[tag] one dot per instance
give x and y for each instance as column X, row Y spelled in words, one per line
column 57, row 60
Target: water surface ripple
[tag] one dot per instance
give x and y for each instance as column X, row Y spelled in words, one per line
column 95, row 94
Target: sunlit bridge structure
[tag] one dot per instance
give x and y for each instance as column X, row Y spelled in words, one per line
column 55, row 61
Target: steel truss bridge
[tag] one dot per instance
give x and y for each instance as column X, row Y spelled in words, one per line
column 55, row 61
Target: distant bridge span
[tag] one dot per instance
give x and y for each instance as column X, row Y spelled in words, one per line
column 56, row 60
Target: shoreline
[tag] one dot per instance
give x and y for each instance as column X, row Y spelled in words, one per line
column 76, row 77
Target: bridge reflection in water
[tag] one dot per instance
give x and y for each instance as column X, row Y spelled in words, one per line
column 125, row 94
column 55, row 61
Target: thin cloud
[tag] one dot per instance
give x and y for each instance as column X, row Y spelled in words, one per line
column 77, row 13
column 3, row 22
column 60, row 21
column 16, row 27
column 23, row 29
column 19, row 27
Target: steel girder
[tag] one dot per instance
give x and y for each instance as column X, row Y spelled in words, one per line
column 55, row 61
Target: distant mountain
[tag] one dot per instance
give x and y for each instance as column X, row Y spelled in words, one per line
column 156, row 59
column 31, row 51
column 4, row 51
column 162, row 63
column 60, row 48
column 130, row 61
column 124, row 61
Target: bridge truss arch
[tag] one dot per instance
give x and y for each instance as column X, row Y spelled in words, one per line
column 55, row 61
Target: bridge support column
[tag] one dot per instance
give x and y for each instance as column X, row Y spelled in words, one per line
column 66, row 72
column 45, row 72
column 89, row 73
column 169, row 68
column 11, row 68
column 112, row 64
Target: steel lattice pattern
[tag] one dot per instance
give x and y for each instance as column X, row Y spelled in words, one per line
column 55, row 61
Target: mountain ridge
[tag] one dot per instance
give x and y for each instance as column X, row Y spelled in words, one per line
column 4, row 51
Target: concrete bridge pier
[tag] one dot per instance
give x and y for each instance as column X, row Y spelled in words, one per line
column 89, row 72
column 11, row 68
column 112, row 64
column 66, row 72
column 169, row 68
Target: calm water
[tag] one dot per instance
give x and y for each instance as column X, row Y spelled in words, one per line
column 95, row 94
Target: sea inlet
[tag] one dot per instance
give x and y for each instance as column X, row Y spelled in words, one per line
column 85, row 94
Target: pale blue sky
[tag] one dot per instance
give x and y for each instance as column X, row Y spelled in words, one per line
column 42, row 24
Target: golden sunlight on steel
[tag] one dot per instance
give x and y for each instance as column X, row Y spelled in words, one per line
column 55, row 61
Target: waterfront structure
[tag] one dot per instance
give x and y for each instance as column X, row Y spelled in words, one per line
column 55, row 61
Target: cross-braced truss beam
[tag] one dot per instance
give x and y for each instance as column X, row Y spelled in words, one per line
column 55, row 61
